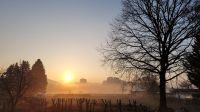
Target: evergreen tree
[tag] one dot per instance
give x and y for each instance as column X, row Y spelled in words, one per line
column 193, row 59
column 193, row 63
column 39, row 83
column 25, row 66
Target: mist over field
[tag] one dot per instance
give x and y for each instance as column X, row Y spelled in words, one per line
column 87, row 88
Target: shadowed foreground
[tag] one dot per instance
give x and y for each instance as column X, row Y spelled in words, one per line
column 99, row 103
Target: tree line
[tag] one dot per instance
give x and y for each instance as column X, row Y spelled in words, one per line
column 20, row 81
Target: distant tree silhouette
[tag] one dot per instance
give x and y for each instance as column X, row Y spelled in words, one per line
column 83, row 81
column 39, row 78
column 15, row 83
column 151, row 35
column 123, row 86
column 185, row 85
column 193, row 59
column 148, row 82
column 112, row 80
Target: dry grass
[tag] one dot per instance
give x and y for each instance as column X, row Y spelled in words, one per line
column 141, row 98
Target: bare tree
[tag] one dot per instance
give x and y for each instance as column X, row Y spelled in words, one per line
column 123, row 86
column 151, row 35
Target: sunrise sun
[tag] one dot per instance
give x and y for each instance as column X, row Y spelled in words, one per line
column 68, row 77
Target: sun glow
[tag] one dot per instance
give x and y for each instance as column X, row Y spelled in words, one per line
column 68, row 77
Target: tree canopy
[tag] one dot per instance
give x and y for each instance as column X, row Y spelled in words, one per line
column 14, row 83
column 19, row 80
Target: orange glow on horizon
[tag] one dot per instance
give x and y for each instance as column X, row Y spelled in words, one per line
column 68, row 77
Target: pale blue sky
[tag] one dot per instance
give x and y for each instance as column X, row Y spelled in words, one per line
column 64, row 34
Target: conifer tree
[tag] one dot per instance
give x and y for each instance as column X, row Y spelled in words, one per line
column 193, row 59
column 193, row 63
column 39, row 77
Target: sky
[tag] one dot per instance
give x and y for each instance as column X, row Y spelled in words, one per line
column 64, row 34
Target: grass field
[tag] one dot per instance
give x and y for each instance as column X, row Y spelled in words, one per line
column 138, row 102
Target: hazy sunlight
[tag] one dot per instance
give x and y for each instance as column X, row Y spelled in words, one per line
column 68, row 77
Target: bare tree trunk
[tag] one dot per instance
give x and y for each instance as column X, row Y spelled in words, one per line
column 163, row 104
column 12, row 108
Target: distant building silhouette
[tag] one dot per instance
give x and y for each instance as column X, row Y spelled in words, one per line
column 83, row 80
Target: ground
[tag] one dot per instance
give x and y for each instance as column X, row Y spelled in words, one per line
column 150, row 101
